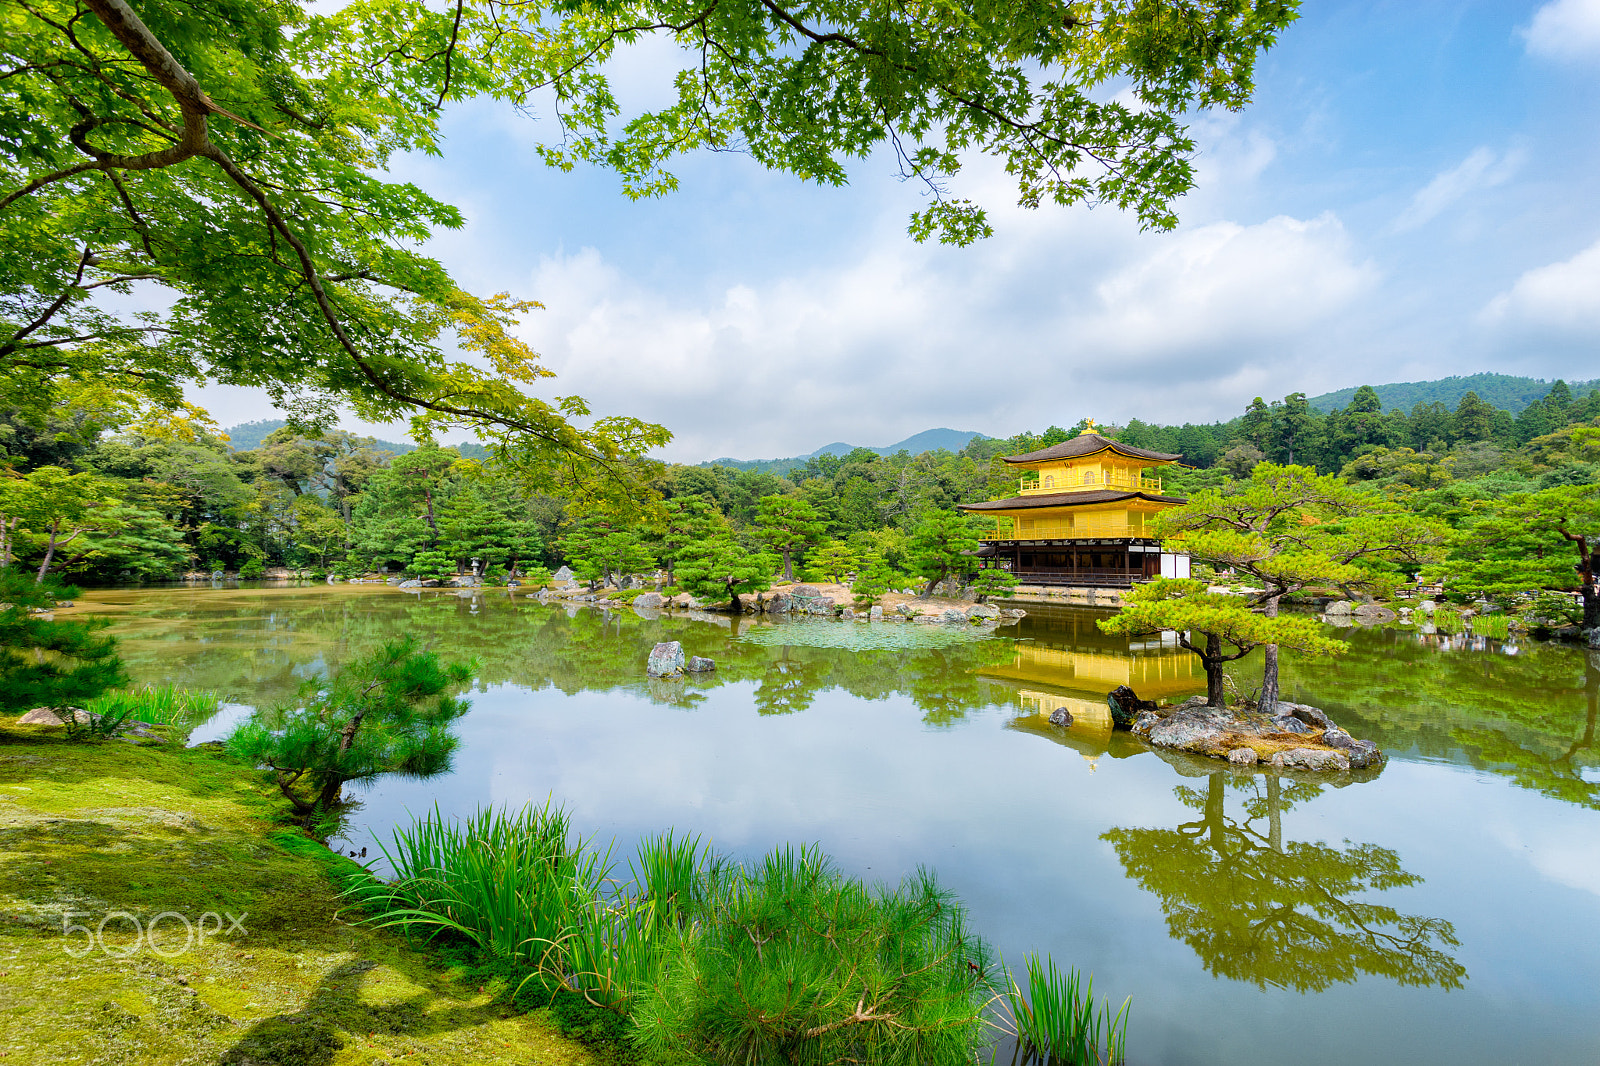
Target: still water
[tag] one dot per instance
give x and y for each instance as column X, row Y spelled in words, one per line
column 1446, row 911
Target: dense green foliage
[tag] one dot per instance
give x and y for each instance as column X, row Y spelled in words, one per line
column 46, row 661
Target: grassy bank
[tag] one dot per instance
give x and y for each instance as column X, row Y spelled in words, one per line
column 90, row 829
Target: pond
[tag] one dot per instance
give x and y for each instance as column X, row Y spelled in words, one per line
column 1446, row 911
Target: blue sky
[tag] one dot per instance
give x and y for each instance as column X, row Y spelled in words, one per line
column 1412, row 194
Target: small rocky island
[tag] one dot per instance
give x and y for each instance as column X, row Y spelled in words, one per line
column 1297, row 737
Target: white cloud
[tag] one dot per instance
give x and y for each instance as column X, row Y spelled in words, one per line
column 1565, row 29
column 1562, row 297
column 1482, row 169
column 1030, row 328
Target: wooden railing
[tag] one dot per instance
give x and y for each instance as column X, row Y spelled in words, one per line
column 1102, row 529
column 1035, row 486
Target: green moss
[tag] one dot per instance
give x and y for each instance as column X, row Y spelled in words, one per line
column 100, row 828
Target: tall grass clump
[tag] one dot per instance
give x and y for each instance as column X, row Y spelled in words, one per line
column 1056, row 1021
column 1447, row 621
column 791, row 961
column 701, row 959
column 1497, row 626
column 156, row 704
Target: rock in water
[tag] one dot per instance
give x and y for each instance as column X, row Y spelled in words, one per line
column 1061, row 717
column 666, row 660
column 1339, row 607
column 876, row 614
column 983, row 612
column 1309, row 759
column 953, row 616
column 699, row 664
column 1125, row 706
column 648, row 599
column 1242, row 756
column 778, row 604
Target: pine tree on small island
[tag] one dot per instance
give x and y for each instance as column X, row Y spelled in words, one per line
column 788, row 524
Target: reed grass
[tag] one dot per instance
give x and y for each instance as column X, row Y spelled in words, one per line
column 1447, row 621
column 156, row 704
column 784, row 959
column 1497, row 626
column 1056, row 1020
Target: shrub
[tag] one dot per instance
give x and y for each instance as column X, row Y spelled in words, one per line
column 47, row 661
column 387, row 713
column 252, row 569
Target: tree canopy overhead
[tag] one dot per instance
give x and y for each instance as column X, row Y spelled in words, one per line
column 219, row 166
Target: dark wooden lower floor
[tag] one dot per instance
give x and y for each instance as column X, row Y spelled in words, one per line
column 1105, row 563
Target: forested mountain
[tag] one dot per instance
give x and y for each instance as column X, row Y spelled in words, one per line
column 928, row 440
column 247, row 437
column 1504, row 391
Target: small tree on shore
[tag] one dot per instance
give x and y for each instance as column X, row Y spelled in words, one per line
column 992, row 581
column 389, row 713
column 1217, row 627
column 942, row 544
column 720, row 566
column 873, row 579
column 684, row 520
column 836, row 558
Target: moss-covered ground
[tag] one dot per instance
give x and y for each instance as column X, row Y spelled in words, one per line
column 91, row 829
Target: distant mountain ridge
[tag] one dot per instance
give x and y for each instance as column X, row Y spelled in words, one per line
column 1500, row 390
column 247, row 437
column 926, row 441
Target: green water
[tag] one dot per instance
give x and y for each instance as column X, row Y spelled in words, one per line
column 1445, row 911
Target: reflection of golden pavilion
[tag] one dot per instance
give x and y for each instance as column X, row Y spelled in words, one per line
column 1154, row 669
column 1050, row 677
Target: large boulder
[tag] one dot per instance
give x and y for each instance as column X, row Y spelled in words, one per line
column 1339, row 607
column 953, row 616
column 649, row 599
column 1288, row 723
column 810, row 591
column 780, row 603
column 1311, row 716
column 986, row 612
column 1374, row 614
column 1126, row 706
column 1202, row 730
column 875, row 614
column 666, row 660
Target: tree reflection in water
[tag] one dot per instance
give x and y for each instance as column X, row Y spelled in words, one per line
column 1282, row 915
column 1563, row 774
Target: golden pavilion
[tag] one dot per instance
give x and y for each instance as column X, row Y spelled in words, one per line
column 1082, row 516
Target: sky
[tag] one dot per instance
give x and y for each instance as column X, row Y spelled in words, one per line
column 1412, row 194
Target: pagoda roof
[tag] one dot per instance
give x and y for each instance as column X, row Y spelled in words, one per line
column 1089, row 444
column 1068, row 499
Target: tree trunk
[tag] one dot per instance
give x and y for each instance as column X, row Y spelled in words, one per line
column 1591, row 606
column 1267, row 702
column 933, row 583
column 733, row 595
column 1216, row 695
column 1275, row 813
column 788, row 566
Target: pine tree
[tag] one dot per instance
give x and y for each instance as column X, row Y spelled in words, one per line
column 942, row 544
column 50, row 662
column 389, row 713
